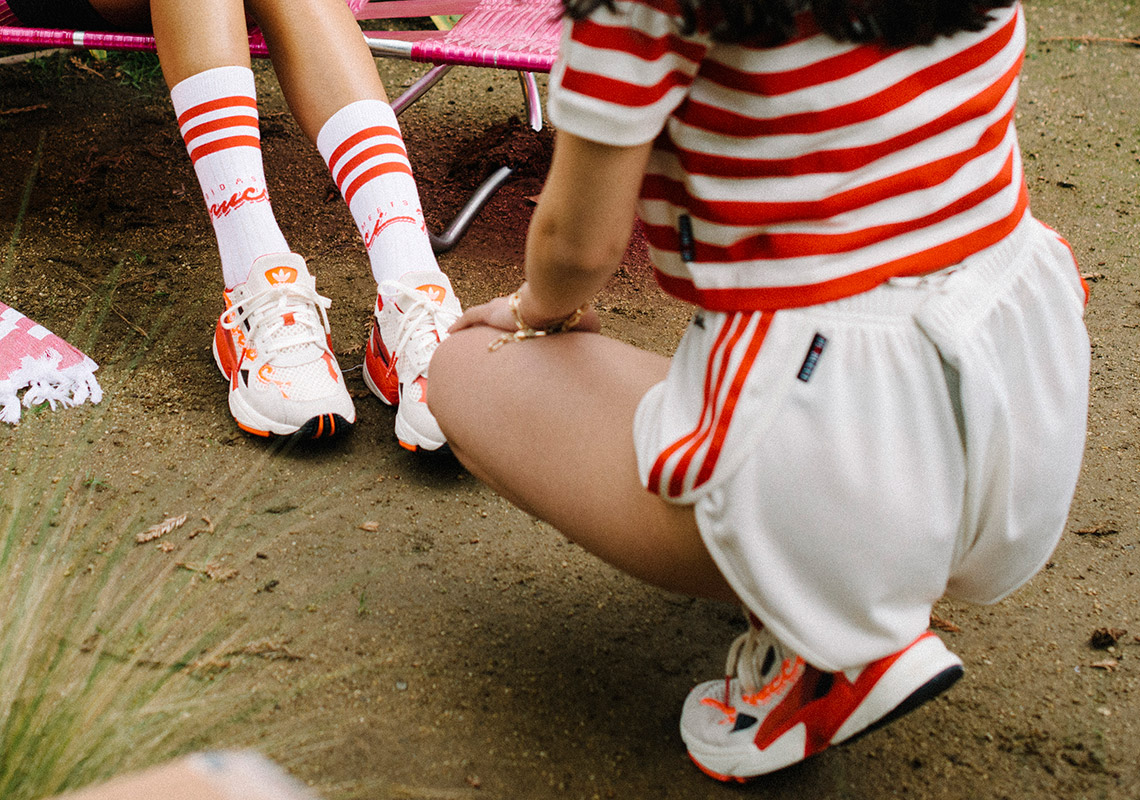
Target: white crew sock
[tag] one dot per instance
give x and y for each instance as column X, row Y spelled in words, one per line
column 364, row 150
column 217, row 115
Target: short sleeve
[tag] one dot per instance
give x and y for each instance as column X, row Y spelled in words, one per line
column 620, row 74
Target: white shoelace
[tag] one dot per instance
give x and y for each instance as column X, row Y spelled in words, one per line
column 266, row 312
column 420, row 323
column 749, row 654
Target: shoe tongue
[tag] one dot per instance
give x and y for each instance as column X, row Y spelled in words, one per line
column 278, row 269
column 434, row 284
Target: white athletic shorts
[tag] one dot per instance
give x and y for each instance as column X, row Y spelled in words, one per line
column 850, row 463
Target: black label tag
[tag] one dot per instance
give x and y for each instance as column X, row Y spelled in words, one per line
column 812, row 357
column 685, row 237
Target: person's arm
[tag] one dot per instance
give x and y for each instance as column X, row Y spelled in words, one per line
column 579, row 232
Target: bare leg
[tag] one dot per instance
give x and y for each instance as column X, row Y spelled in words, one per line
column 548, row 424
column 320, row 57
column 195, row 37
column 316, row 47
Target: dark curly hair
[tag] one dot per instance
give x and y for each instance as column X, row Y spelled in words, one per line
column 896, row 23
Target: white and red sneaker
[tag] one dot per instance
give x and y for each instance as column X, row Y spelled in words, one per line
column 410, row 319
column 773, row 709
column 272, row 344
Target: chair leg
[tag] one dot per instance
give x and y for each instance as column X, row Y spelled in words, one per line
column 531, row 99
column 420, row 87
column 441, row 243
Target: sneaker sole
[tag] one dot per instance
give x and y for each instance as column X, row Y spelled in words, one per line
column 322, row 426
column 412, row 440
column 919, row 674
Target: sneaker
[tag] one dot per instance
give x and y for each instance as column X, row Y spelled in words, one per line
column 272, row 344
column 411, row 318
column 778, row 709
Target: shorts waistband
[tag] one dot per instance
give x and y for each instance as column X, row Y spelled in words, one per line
column 903, row 295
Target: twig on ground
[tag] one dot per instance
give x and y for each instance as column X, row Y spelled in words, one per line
column 75, row 62
column 7, row 111
column 214, row 572
column 1134, row 42
column 273, row 651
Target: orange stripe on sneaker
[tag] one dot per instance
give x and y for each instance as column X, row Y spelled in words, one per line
column 716, row 775
column 254, row 431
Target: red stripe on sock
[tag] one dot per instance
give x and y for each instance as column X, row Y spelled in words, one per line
column 375, row 172
column 218, row 125
column 364, row 155
column 360, row 136
column 223, row 144
column 237, row 101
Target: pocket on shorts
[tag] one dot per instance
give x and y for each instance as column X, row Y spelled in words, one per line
column 728, row 380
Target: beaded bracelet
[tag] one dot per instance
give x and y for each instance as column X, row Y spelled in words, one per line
column 525, row 331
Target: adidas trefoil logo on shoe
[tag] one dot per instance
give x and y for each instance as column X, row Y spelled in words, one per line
column 280, row 275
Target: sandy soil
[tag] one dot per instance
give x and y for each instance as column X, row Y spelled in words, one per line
column 383, row 625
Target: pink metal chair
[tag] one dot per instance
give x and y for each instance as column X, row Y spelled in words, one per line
column 519, row 35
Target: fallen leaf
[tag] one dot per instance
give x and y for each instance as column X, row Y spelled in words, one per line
column 220, row 574
column 161, row 529
column 1099, row 530
column 208, row 529
column 370, row 526
column 943, row 625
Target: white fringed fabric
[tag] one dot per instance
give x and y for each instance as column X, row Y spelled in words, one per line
column 35, row 361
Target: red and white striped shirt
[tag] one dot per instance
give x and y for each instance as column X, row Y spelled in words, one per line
column 809, row 171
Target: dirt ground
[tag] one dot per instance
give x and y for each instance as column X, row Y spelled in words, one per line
column 384, row 626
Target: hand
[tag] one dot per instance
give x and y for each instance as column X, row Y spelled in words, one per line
column 496, row 314
column 493, row 314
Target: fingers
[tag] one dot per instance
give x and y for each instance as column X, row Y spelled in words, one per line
column 494, row 314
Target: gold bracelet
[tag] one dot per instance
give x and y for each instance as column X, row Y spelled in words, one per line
column 525, row 331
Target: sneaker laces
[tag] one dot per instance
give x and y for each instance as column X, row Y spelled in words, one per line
column 266, row 311
column 761, row 665
column 423, row 325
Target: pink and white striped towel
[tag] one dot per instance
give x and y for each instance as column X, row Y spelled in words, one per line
column 50, row 369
